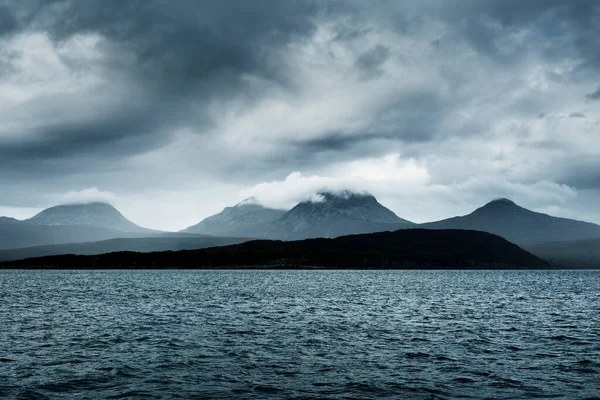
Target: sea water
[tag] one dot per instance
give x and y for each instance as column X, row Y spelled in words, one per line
column 299, row 334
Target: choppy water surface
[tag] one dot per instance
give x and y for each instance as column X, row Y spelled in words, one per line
column 300, row 334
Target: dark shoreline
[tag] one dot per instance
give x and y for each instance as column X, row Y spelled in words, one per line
column 288, row 268
column 297, row 269
column 402, row 249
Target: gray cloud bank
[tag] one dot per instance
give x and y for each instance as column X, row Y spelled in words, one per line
column 187, row 106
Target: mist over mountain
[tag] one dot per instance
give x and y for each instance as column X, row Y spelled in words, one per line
column 331, row 215
column 346, row 204
column 569, row 254
column 244, row 216
column 24, row 234
column 519, row 225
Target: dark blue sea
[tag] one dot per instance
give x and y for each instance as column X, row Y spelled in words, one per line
column 299, row 334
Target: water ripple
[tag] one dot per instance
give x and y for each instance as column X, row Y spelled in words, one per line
column 299, row 334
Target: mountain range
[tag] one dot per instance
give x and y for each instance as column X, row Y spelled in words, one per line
column 326, row 215
column 97, row 228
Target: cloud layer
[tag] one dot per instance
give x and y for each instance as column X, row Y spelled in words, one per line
column 176, row 109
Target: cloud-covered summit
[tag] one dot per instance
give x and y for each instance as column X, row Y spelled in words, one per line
column 185, row 107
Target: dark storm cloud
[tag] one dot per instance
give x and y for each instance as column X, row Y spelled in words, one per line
column 557, row 28
column 594, row 95
column 520, row 13
column 182, row 42
column 87, row 135
column 368, row 63
column 189, row 52
column 339, row 142
column 582, row 173
column 140, row 96
column 8, row 25
column 411, row 118
column 8, row 22
column 116, row 135
column 175, row 56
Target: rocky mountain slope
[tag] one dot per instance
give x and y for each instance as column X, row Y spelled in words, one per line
column 244, row 216
column 331, row 215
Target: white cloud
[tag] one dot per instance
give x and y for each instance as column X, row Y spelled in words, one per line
column 406, row 187
column 89, row 195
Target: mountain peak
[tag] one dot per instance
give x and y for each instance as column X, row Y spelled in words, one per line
column 325, row 214
column 237, row 219
column 90, row 205
column 95, row 214
column 344, row 194
column 502, row 200
column 345, row 204
column 500, row 206
column 519, row 225
column 250, row 201
column 340, row 198
column 74, row 209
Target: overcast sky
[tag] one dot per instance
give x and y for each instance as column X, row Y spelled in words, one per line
column 172, row 110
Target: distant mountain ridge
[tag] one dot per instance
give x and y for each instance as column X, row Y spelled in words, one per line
column 92, row 214
column 569, row 254
column 328, row 215
column 9, row 220
column 162, row 242
column 504, row 218
column 64, row 229
column 69, row 224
